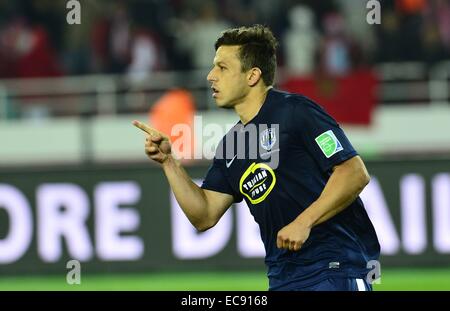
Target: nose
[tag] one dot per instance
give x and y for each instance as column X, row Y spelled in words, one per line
column 210, row 76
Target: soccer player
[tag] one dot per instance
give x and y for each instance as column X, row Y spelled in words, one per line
column 292, row 164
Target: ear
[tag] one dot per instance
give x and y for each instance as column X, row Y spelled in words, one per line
column 253, row 76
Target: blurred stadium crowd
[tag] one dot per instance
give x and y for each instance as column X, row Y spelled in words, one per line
column 138, row 37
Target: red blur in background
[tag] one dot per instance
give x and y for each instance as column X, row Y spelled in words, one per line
column 350, row 99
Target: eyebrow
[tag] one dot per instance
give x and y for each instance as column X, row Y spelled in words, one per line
column 220, row 63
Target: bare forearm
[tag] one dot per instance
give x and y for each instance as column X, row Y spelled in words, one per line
column 334, row 199
column 343, row 187
column 202, row 207
column 190, row 197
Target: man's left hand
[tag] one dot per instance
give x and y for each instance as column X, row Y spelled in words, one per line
column 294, row 235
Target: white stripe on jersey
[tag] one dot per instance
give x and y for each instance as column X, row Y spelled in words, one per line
column 360, row 285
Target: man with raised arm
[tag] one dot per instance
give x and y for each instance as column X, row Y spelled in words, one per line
column 292, row 164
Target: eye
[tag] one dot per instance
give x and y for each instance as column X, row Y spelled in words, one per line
column 222, row 68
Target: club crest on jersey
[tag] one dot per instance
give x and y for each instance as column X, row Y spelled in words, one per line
column 268, row 138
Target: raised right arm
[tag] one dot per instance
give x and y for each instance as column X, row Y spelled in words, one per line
column 202, row 207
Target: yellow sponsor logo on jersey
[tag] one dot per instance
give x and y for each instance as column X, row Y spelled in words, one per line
column 257, row 182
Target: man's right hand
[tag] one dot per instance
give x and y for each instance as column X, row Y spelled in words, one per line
column 157, row 144
column 202, row 207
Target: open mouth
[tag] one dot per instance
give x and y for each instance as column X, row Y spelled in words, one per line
column 215, row 91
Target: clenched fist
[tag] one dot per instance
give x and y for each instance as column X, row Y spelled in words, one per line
column 293, row 236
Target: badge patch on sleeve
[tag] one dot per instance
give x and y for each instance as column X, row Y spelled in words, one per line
column 328, row 143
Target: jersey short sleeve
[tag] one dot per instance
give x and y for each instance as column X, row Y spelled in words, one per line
column 320, row 134
column 215, row 180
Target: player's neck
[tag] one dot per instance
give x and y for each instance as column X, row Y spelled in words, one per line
column 253, row 102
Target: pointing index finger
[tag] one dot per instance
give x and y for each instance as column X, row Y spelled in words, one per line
column 145, row 128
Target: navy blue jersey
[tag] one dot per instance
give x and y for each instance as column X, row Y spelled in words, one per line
column 279, row 162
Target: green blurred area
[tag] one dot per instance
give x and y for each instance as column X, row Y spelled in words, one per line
column 391, row 280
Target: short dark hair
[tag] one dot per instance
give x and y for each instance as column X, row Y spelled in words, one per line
column 257, row 49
